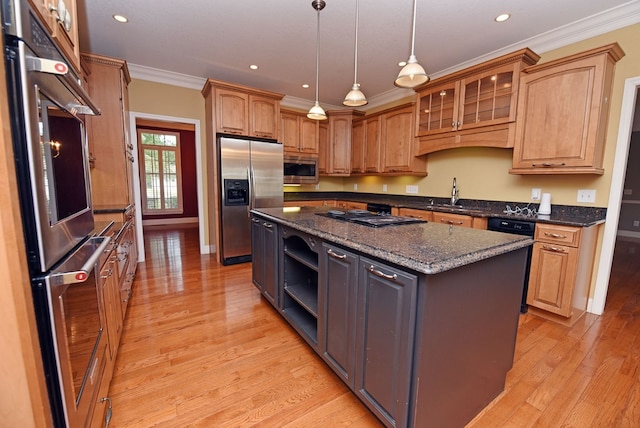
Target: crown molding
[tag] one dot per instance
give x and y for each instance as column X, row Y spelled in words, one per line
column 142, row 72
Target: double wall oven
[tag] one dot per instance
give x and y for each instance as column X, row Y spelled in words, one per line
column 47, row 108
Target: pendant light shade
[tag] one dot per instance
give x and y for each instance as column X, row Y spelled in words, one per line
column 317, row 112
column 355, row 97
column 412, row 74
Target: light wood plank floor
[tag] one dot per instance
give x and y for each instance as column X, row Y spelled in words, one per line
column 201, row 348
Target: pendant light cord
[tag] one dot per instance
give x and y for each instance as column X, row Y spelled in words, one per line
column 317, row 51
column 413, row 35
column 355, row 68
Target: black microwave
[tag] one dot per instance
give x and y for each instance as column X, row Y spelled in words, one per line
column 300, row 170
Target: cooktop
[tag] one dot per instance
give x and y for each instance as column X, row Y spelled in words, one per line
column 372, row 219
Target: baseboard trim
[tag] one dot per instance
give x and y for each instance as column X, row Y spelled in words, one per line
column 163, row 221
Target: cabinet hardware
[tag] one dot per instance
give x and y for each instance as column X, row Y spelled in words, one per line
column 255, row 220
column 451, row 222
column 547, row 165
column 554, row 249
column 336, row 255
column 267, row 225
column 555, row 235
column 382, row 274
column 107, row 416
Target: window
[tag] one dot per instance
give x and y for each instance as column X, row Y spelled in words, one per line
column 160, row 172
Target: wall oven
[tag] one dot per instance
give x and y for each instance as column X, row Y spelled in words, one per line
column 47, row 107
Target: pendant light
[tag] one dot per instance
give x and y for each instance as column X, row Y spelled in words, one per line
column 412, row 74
column 317, row 112
column 355, row 97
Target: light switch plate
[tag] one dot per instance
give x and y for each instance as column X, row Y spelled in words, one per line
column 355, row 187
column 535, row 194
column 412, row 189
column 586, row 195
column 384, row 187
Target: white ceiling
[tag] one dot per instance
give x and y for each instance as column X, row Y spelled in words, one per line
column 221, row 38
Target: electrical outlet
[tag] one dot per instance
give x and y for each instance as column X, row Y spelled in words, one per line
column 318, row 186
column 412, row 189
column 535, row 194
column 384, row 187
column 586, row 195
column 355, row 187
column 636, row 223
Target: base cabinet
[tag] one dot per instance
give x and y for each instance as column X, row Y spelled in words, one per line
column 384, row 340
column 264, row 250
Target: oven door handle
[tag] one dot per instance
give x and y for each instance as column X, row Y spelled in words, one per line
column 78, row 266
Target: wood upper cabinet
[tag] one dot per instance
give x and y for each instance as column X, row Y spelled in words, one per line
column 339, row 144
column 563, row 109
column 298, row 133
column 60, row 18
column 365, row 145
column 323, row 147
column 240, row 110
column 472, row 107
column 560, row 274
column 397, row 142
column 110, row 147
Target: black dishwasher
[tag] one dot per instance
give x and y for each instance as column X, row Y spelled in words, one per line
column 517, row 227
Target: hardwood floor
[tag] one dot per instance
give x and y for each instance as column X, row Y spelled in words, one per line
column 201, row 348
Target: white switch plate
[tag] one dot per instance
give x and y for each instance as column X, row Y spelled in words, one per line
column 384, row 187
column 355, row 187
column 535, row 194
column 586, row 195
column 412, row 189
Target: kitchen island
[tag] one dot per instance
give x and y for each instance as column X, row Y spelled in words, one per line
column 419, row 320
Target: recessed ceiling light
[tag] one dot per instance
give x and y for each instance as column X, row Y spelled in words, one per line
column 306, row 86
column 502, row 17
column 121, row 18
column 402, row 63
column 253, row 67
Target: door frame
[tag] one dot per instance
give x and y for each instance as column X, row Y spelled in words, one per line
column 204, row 249
column 619, row 169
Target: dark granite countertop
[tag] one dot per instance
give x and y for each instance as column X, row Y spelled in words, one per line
column 560, row 214
column 428, row 248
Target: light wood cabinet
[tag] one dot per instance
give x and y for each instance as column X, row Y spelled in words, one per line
column 472, row 107
column 350, row 205
column 323, row 147
column 397, row 143
column 560, row 273
column 298, row 133
column 460, row 220
column 240, row 110
column 60, row 18
column 563, row 110
column 415, row 213
column 110, row 148
column 365, row 140
column 339, row 144
column 315, row 203
column 358, row 141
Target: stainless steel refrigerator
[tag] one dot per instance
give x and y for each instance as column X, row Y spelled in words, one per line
column 251, row 176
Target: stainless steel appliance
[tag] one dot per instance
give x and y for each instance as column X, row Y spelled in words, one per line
column 300, row 170
column 47, row 107
column 251, row 176
column 517, row 227
column 376, row 215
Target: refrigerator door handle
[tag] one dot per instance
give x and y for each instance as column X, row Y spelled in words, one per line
column 252, row 186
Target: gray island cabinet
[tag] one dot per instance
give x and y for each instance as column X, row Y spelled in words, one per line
column 419, row 320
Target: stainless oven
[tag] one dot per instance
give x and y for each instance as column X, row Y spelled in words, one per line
column 300, row 170
column 47, row 108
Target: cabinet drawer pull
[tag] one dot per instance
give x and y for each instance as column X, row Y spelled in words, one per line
column 336, row 255
column 382, row 274
column 267, row 225
column 547, row 164
column 255, row 220
column 555, row 235
column 554, row 249
column 451, row 222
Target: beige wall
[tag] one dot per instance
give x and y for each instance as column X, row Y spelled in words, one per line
column 167, row 100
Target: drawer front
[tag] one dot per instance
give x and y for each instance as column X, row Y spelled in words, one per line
column 410, row 212
column 453, row 219
column 565, row 235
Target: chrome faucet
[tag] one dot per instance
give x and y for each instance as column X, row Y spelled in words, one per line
column 454, row 193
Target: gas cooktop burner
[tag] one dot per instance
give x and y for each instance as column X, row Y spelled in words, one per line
column 371, row 219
